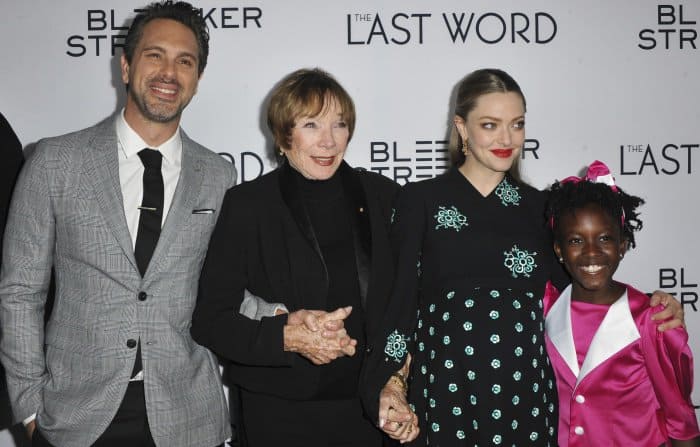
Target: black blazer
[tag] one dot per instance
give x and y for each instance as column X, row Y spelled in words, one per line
column 12, row 158
column 264, row 242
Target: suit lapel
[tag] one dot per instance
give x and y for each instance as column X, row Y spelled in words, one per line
column 104, row 175
column 184, row 198
column 615, row 332
column 558, row 328
column 360, row 227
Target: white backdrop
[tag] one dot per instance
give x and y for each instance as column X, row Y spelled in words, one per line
column 615, row 81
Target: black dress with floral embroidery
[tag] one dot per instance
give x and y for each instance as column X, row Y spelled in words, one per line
column 467, row 305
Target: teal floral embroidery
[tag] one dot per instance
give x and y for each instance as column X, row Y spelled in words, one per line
column 393, row 214
column 508, row 193
column 519, row 262
column 396, row 346
column 450, row 218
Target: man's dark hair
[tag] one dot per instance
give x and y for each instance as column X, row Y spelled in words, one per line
column 182, row 12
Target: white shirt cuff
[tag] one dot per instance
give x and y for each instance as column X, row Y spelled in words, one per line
column 29, row 420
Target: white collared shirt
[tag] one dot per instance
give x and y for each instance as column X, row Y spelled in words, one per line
column 131, row 171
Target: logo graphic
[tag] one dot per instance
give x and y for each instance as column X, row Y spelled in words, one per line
column 668, row 159
column 106, row 29
column 402, row 28
column 675, row 30
column 248, row 164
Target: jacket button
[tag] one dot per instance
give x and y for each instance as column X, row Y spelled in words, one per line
column 143, row 296
column 131, row 343
column 578, row 430
column 580, row 399
column 368, row 350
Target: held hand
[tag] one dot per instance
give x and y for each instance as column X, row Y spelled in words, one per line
column 331, row 325
column 396, row 418
column 672, row 309
column 302, row 335
column 317, row 319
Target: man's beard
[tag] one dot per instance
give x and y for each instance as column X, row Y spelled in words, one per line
column 155, row 112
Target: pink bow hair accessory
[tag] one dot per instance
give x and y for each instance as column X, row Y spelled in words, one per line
column 597, row 172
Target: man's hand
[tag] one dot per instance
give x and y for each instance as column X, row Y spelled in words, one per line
column 672, row 310
column 30, row 427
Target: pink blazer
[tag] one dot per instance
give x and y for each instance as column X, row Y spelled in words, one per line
column 633, row 388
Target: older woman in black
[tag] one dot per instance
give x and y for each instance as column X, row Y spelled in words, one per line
column 312, row 234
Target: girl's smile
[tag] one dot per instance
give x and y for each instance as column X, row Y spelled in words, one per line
column 589, row 243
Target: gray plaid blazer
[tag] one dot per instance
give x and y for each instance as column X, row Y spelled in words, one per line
column 67, row 213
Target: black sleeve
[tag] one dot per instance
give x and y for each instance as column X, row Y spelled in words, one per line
column 387, row 352
column 12, row 158
column 216, row 321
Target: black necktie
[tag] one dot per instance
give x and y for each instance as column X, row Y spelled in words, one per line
column 150, row 220
column 151, row 208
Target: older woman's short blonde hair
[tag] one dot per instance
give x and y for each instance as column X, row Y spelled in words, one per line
column 306, row 92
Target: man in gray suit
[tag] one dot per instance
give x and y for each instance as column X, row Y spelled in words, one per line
column 126, row 230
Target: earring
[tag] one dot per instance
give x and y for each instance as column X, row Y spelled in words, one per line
column 465, row 148
column 561, row 260
column 281, row 153
column 622, row 255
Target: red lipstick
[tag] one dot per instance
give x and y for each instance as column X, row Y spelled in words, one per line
column 502, row 153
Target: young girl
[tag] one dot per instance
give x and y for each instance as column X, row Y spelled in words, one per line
column 620, row 381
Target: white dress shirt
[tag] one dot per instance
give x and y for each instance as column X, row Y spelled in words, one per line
column 131, row 171
column 131, row 176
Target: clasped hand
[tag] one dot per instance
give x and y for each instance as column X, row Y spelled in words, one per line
column 319, row 336
column 396, row 418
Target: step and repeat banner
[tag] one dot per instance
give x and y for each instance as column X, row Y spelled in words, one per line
column 614, row 81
